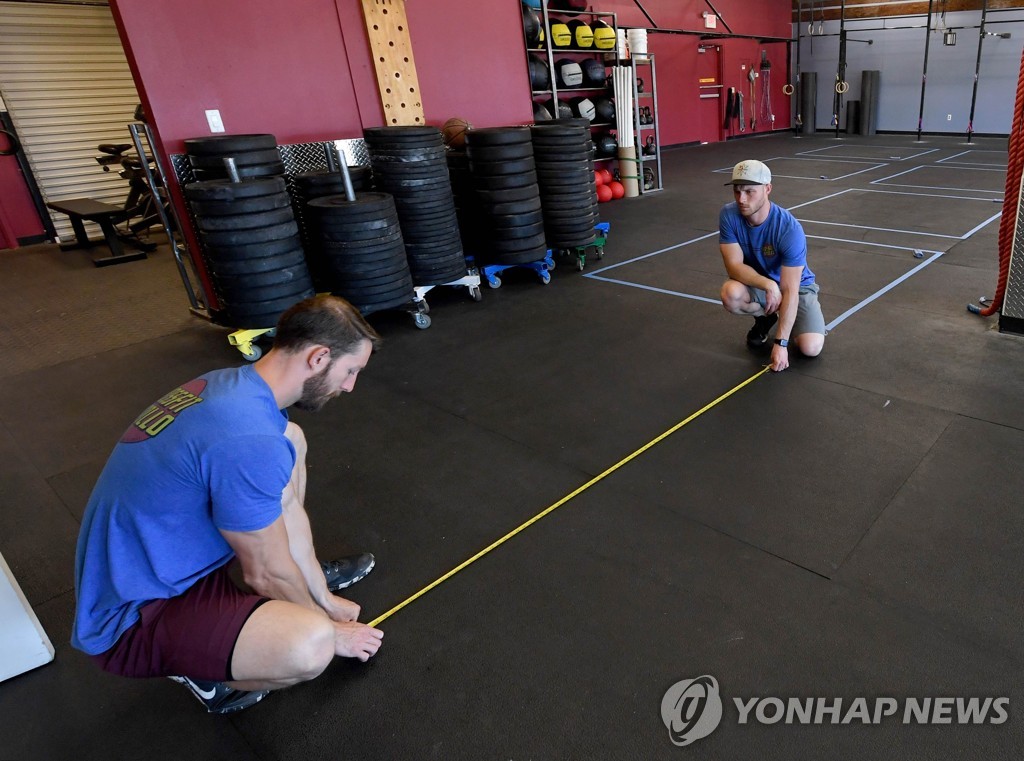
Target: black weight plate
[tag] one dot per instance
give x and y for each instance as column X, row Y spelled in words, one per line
column 518, row 244
column 225, row 190
column 541, row 144
column 516, row 207
column 449, row 277
column 561, row 157
column 341, row 221
column 582, row 180
column 523, row 231
column 410, row 131
column 506, row 181
column 245, row 172
column 254, row 265
column 379, row 283
column 501, row 168
column 505, row 221
column 511, row 152
column 253, row 250
column 497, row 136
column 558, row 168
column 257, row 235
column 355, row 294
column 241, row 205
column 341, row 225
column 505, row 195
column 521, row 257
column 412, row 173
column 362, row 246
column 355, row 236
column 283, row 300
column 235, row 290
column 582, row 206
column 386, row 157
column 279, row 276
column 421, row 237
column 435, row 247
column 573, row 241
column 245, row 221
column 218, row 145
column 341, row 206
column 242, row 158
column 415, row 185
column 578, row 219
column 425, row 204
column 375, row 269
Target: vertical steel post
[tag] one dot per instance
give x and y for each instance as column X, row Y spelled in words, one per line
column 924, row 73
column 977, row 71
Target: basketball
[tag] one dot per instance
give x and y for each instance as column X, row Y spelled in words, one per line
column 454, row 132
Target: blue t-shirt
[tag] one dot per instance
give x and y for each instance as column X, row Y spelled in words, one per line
column 777, row 242
column 209, row 455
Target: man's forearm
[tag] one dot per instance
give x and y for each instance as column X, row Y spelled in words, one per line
column 300, row 544
column 747, row 275
column 787, row 313
column 284, row 583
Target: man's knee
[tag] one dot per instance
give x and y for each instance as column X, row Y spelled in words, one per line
column 311, row 652
column 810, row 344
column 734, row 296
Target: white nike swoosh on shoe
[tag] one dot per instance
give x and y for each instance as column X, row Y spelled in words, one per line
column 204, row 694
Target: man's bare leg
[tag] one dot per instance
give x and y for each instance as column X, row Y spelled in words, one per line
column 736, row 299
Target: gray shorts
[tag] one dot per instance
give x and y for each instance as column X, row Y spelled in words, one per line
column 809, row 318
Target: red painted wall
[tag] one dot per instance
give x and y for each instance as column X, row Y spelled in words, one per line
column 18, row 217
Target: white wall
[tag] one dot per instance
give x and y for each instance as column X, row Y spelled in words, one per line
column 899, row 55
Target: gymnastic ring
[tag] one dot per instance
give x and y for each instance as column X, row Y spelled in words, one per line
column 14, row 147
column 842, row 87
column 787, row 89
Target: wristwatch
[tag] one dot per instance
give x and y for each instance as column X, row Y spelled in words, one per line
column 783, row 342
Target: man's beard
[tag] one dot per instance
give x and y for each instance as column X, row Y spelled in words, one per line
column 314, row 392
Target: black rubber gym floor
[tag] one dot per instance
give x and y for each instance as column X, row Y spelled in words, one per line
column 851, row 528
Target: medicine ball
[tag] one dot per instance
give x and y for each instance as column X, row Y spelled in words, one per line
column 604, row 110
column 531, row 27
column 569, row 73
column 582, row 37
column 563, row 111
column 606, row 145
column 604, row 36
column 594, row 74
column 540, row 77
column 561, row 36
column 540, row 113
column 583, row 108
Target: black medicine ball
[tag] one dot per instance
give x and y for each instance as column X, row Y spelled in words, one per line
column 540, row 77
column 604, row 110
column 531, row 27
column 563, row 111
column 569, row 73
column 541, row 114
column 606, row 145
column 594, row 74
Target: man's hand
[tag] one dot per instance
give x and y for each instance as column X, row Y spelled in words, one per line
column 341, row 610
column 780, row 358
column 772, row 297
column 355, row 640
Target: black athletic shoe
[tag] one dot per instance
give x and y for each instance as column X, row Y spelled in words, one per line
column 344, row 572
column 758, row 335
column 218, row 697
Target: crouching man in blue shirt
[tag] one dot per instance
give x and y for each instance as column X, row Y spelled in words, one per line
column 765, row 254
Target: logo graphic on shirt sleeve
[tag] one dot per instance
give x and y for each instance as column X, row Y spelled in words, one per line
column 163, row 412
column 767, row 250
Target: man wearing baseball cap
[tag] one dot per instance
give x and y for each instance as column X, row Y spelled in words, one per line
column 765, row 254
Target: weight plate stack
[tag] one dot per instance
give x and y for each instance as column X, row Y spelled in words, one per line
column 253, row 252
column 501, row 163
column 468, row 208
column 364, row 257
column 254, row 155
column 409, row 163
column 565, row 172
column 317, row 184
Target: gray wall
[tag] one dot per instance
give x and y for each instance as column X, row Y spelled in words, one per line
column 899, row 55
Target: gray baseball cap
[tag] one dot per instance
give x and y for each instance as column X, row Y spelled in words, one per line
column 750, row 172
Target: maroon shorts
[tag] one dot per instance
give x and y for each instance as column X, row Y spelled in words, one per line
column 193, row 634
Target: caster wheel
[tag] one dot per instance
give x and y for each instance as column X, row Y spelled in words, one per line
column 550, row 263
column 422, row 321
column 271, row 333
column 424, row 307
column 600, row 252
column 476, row 293
column 494, row 281
column 255, row 352
column 581, row 263
column 545, row 278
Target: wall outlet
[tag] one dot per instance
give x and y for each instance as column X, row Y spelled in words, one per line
column 949, row 117
column 214, row 120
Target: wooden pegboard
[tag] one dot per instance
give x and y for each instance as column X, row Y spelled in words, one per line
column 388, row 30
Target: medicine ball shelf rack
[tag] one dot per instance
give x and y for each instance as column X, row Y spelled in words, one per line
column 644, row 103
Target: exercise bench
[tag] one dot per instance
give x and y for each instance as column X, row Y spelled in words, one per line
column 105, row 215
